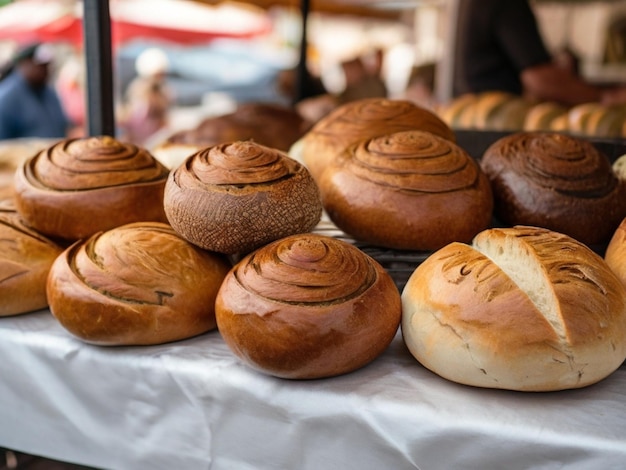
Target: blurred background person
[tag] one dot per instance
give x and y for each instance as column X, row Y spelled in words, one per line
column 29, row 104
column 499, row 48
column 148, row 99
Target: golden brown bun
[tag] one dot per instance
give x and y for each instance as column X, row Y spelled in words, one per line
column 555, row 181
column 521, row 309
column 606, row 121
column 542, row 116
column 408, row 190
column 496, row 110
column 364, row 119
column 137, row 284
column 578, row 117
column 308, row 306
column 271, row 125
column 615, row 255
column 237, row 196
column 78, row 187
column 25, row 259
column 458, row 113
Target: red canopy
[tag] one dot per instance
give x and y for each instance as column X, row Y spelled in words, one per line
column 179, row 21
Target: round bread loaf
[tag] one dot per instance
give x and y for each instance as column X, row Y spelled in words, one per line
column 522, row 308
column 497, row 110
column 237, row 196
column 409, row 190
column 542, row 116
column 78, row 187
column 555, row 181
column 271, row 125
column 25, row 260
column 137, row 284
column 308, row 306
column 363, row 119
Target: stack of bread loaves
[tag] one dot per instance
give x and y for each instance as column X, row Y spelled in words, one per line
column 390, row 174
column 522, row 308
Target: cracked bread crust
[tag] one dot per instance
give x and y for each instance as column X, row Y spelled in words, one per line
column 522, row 309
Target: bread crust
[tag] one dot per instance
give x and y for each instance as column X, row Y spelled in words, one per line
column 25, row 260
column 523, row 309
column 555, row 181
column 78, row 187
column 363, row 119
column 409, row 190
column 235, row 197
column 308, row 306
column 137, row 284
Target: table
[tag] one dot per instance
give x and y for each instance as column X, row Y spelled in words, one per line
column 193, row 405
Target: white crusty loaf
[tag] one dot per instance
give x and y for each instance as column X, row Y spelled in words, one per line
column 522, row 308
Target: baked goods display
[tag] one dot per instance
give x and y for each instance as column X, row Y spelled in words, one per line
column 358, row 120
column 25, row 260
column 78, row 187
column 555, row 181
column 408, row 190
column 502, row 111
column 137, row 284
column 267, row 124
column 308, row 306
column 237, row 196
column 522, row 308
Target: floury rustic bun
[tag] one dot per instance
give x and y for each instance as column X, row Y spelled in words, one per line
column 78, row 187
column 555, row 181
column 235, row 197
column 362, row 119
column 25, row 260
column 409, row 190
column 308, row 306
column 522, row 308
column 137, row 284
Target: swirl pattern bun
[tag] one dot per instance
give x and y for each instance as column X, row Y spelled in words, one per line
column 408, row 190
column 522, row 308
column 363, row 119
column 308, row 306
column 555, row 181
column 78, row 187
column 137, row 284
column 25, row 260
column 235, row 197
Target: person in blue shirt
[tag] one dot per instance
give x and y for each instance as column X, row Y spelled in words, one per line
column 29, row 105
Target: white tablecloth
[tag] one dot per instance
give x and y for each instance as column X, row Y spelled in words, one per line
column 192, row 405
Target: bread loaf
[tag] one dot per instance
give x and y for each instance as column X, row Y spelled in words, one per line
column 308, row 306
column 409, row 190
column 25, row 260
column 237, row 196
column 555, row 181
column 78, row 187
column 363, row 119
column 271, row 125
column 615, row 254
column 137, row 284
column 522, row 308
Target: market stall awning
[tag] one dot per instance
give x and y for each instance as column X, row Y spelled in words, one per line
column 179, row 21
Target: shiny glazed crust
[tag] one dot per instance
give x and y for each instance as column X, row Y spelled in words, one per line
column 78, row 187
column 364, row 119
column 555, row 181
column 237, row 196
column 138, row 284
column 522, row 309
column 308, row 306
column 408, row 190
column 25, row 260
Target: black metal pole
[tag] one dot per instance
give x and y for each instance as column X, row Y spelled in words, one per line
column 302, row 76
column 99, row 63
